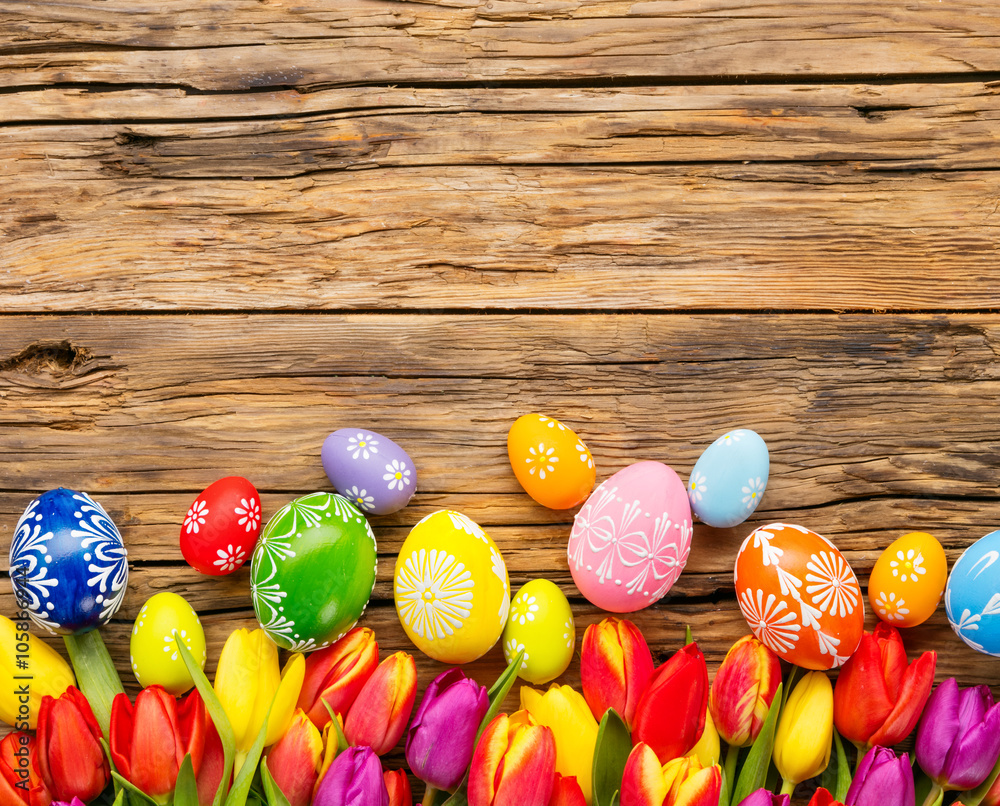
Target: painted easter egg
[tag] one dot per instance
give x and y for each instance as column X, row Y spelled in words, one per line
column 68, row 563
column 551, row 462
column 541, row 623
column 451, row 588
column 972, row 596
column 799, row 595
column 221, row 526
column 313, row 571
column 369, row 470
column 729, row 478
column 631, row 540
column 908, row 579
column 165, row 619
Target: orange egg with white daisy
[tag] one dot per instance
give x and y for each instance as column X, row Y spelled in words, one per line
column 550, row 461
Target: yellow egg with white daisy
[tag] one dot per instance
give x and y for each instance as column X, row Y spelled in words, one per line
column 541, row 623
column 165, row 619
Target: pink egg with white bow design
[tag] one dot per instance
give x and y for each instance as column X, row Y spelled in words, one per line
column 631, row 539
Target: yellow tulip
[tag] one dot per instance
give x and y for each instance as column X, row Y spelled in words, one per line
column 248, row 684
column 566, row 713
column 708, row 748
column 805, row 730
column 29, row 670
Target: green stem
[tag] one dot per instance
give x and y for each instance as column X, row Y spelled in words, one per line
column 732, row 754
column 861, row 754
column 95, row 674
column 787, row 787
column 935, row 796
column 430, row 793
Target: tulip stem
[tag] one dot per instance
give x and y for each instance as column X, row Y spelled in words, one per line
column 935, row 796
column 430, row 793
column 787, row 787
column 732, row 754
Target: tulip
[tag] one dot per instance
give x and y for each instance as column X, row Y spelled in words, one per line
column 615, row 667
column 294, row 760
column 822, row 797
column 212, row 765
column 566, row 713
column 878, row 698
column 442, row 734
column 958, row 739
column 248, row 684
column 380, row 713
column 804, row 735
column 354, row 779
column 335, row 675
column 764, row 797
column 679, row 782
column 882, row 779
column 514, row 763
column 48, row 673
column 743, row 691
column 75, row 802
column 670, row 716
column 69, row 755
column 149, row 741
column 566, row 792
column 398, row 787
column 19, row 778
column 708, row 748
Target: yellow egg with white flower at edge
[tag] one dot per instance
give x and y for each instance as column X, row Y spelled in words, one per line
column 165, row 619
column 540, row 623
column 908, row 579
column 451, row 588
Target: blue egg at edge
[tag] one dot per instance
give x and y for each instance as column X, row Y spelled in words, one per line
column 68, row 563
column 972, row 595
column 728, row 480
column 370, row 470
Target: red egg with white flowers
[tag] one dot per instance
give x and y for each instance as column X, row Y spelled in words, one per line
column 221, row 527
column 799, row 595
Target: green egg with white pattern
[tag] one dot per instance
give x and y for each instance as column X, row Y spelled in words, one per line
column 313, row 571
column 165, row 619
column 541, row 623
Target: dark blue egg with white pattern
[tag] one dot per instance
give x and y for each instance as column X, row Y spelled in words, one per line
column 68, row 563
column 729, row 478
column 369, row 470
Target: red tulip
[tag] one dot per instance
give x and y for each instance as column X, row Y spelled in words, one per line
column 69, row 754
column 337, row 674
column 878, row 698
column 670, row 716
column 212, row 764
column 567, row 792
column 514, row 763
column 615, row 667
column 398, row 787
column 380, row 713
column 823, row 798
column 20, row 782
column 743, row 690
column 680, row 782
column 149, row 741
column 294, row 760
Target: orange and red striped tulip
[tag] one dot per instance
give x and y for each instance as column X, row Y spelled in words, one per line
column 679, row 782
column 514, row 763
column 383, row 706
column 615, row 667
column 20, row 782
column 670, row 716
column 294, row 760
column 567, row 792
column 398, row 787
column 337, row 674
column 743, row 691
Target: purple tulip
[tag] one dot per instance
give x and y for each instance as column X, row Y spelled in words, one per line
column 75, row 802
column 440, row 741
column 882, row 779
column 958, row 740
column 763, row 797
column 354, row 779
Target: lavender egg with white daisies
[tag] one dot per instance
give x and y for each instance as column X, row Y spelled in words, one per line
column 729, row 478
column 369, row 470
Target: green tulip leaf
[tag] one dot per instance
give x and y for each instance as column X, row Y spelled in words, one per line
column 724, row 790
column 843, row 780
column 498, row 693
column 275, row 797
column 342, row 743
column 459, row 798
column 615, row 799
column 754, row 773
column 96, row 676
column 610, row 754
column 245, row 775
column 120, row 797
column 218, row 715
column 132, row 789
column 186, row 788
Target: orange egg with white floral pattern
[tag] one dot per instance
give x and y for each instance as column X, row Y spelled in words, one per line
column 908, row 579
column 799, row 596
column 550, row 461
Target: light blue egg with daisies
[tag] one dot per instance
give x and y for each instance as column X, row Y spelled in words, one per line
column 728, row 480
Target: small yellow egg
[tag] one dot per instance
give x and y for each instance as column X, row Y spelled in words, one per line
column 540, row 623
column 164, row 619
column 451, row 588
column 908, row 579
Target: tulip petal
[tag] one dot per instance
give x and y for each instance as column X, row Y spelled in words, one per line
column 191, row 719
column 804, row 736
column 354, row 779
column 861, row 699
column 914, row 689
column 285, row 696
column 398, row 787
column 670, row 716
column 380, row 713
column 70, row 760
column 743, row 690
column 642, row 783
column 882, row 779
column 938, row 728
column 615, row 667
column 156, row 750
column 336, row 674
column 698, row 788
column 248, row 664
column 120, row 741
column 972, row 757
column 295, row 758
column 567, row 792
column 486, row 761
column 212, row 765
column 527, row 773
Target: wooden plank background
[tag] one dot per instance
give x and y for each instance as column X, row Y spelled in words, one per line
column 229, row 229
